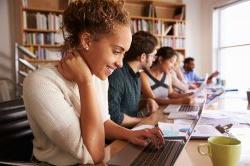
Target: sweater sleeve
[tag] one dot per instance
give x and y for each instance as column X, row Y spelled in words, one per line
column 101, row 87
column 47, row 106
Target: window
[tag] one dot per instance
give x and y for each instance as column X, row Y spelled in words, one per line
column 232, row 28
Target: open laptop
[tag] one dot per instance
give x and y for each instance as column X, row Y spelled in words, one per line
column 213, row 94
column 202, row 86
column 167, row 155
column 182, row 110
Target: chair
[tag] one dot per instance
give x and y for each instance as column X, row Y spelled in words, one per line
column 15, row 133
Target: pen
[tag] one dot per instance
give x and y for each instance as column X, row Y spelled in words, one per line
column 184, row 129
column 245, row 124
column 156, row 126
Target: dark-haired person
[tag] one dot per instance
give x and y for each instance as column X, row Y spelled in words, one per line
column 157, row 81
column 191, row 76
column 124, row 83
column 69, row 120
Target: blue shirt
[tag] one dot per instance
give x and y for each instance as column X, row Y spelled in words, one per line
column 191, row 77
column 124, row 93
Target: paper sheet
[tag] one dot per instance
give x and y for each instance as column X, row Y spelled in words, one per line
column 141, row 127
column 173, row 130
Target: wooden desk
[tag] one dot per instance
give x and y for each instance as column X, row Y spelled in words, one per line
column 190, row 156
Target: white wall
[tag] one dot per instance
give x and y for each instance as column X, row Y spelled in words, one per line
column 193, row 31
column 199, row 32
column 6, row 43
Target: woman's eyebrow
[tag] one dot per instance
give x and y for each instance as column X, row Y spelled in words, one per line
column 118, row 47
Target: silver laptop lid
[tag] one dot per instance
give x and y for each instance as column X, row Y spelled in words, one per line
column 195, row 122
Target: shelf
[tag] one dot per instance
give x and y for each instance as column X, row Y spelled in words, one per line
column 157, row 19
column 160, row 3
column 40, row 30
column 172, row 36
column 44, row 46
column 179, row 49
column 41, row 61
column 42, row 10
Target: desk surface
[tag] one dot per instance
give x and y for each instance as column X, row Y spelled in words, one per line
column 189, row 156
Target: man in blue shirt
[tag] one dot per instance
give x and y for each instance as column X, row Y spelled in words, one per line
column 191, row 76
column 124, row 84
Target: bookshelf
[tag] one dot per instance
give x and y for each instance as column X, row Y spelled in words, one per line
column 40, row 22
column 163, row 18
column 39, row 29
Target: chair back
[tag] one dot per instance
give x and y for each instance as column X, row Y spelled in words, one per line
column 15, row 133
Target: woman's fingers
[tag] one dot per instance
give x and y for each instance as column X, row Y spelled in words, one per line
column 155, row 136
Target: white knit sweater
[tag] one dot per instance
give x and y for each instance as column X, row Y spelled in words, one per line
column 53, row 108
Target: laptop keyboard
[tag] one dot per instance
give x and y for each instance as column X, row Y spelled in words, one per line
column 167, row 155
column 188, row 108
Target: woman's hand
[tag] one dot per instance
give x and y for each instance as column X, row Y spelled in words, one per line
column 186, row 100
column 152, row 105
column 74, row 68
column 189, row 94
column 146, row 136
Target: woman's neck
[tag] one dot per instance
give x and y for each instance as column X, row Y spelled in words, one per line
column 156, row 71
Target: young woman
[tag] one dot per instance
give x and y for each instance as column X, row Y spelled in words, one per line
column 178, row 81
column 157, row 82
column 69, row 121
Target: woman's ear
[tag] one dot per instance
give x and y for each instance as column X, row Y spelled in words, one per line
column 160, row 59
column 85, row 40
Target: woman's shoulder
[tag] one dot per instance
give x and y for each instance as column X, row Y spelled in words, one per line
column 42, row 76
column 143, row 74
column 44, row 72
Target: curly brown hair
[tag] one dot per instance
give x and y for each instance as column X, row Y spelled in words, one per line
column 93, row 16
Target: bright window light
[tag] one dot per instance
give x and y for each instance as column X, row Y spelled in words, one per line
column 233, row 46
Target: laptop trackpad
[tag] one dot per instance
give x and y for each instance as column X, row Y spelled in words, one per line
column 126, row 156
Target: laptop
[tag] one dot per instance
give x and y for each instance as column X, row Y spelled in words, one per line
column 213, row 94
column 202, row 86
column 166, row 156
column 184, row 108
column 182, row 111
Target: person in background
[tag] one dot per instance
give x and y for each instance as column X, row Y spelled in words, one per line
column 178, row 80
column 191, row 76
column 157, row 81
column 69, row 121
column 124, row 83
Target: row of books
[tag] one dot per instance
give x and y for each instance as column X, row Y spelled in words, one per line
column 141, row 25
column 42, row 21
column 178, row 43
column 25, row 3
column 43, row 38
column 46, row 54
column 158, row 27
column 179, row 29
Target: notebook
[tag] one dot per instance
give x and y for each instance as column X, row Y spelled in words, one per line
column 167, row 155
column 171, row 130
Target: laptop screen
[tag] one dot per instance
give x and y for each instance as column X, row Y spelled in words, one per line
column 202, row 86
